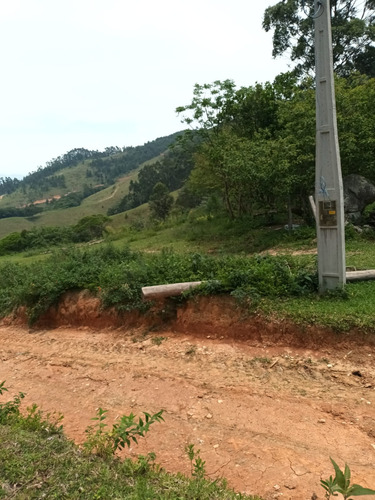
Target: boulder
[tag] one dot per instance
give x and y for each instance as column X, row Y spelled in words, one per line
column 358, row 193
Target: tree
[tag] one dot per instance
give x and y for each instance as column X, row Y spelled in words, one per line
column 355, row 101
column 353, row 34
column 231, row 159
column 90, row 227
column 160, row 201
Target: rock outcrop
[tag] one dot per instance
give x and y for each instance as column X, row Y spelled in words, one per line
column 358, row 193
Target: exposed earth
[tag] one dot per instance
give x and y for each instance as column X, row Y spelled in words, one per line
column 266, row 404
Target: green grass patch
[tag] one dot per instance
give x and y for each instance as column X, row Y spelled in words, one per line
column 354, row 308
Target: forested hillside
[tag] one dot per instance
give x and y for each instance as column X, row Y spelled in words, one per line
column 80, row 172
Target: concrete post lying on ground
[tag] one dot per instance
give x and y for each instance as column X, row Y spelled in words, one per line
column 368, row 274
column 162, row 291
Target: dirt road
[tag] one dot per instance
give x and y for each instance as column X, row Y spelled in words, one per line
column 265, row 417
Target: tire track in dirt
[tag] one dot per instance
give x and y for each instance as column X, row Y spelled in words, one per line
column 265, row 417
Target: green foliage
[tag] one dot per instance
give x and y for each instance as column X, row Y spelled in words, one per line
column 285, row 285
column 12, row 243
column 3, row 388
column 11, row 408
column 158, row 340
column 117, row 276
column 8, row 185
column 90, row 228
column 352, row 34
column 27, row 211
column 160, row 201
column 238, row 157
column 34, row 420
column 34, row 467
column 258, row 148
column 197, row 465
column 341, row 484
column 171, row 170
column 105, row 443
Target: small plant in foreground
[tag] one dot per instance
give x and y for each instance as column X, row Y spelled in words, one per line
column 10, row 408
column 197, row 465
column 34, row 420
column 2, row 387
column 105, row 443
column 341, row 484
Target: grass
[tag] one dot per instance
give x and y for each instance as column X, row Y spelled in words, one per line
column 191, row 232
column 353, row 309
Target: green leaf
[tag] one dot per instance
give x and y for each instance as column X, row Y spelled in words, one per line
column 340, row 478
column 356, row 489
column 347, row 476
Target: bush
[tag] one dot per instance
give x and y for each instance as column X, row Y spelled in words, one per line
column 117, row 276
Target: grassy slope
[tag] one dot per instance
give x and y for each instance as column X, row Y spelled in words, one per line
column 97, row 203
column 75, row 178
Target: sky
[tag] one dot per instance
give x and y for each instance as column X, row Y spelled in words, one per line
column 98, row 73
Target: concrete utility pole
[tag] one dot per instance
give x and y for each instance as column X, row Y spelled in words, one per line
column 328, row 180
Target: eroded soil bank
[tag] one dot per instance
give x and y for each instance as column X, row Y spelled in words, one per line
column 266, row 403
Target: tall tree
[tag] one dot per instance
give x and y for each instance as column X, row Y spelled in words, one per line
column 161, row 201
column 353, row 34
column 232, row 160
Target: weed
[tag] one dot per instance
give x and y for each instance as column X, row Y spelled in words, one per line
column 158, row 340
column 11, row 409
column 2, row 387
column 197, row 465
column 263, row 360
column 325, row 360
column 105, row 443
column 146, row 463
column 341, row 484
column 191, row 350
column 34, row 420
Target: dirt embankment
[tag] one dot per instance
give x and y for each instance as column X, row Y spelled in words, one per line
column 266, row 403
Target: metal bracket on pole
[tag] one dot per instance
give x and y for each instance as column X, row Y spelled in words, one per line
column 328, row 178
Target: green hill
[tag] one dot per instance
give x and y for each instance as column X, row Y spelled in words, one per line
column 74, row 186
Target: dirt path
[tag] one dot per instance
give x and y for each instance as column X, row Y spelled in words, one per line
column 266, row 418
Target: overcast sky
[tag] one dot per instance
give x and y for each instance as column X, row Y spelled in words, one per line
column 97, row 73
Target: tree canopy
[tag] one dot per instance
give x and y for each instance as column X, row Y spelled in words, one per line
column 258, row 152
column 353, row 34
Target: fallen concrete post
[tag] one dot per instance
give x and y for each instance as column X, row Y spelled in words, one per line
column 368, row 274
column 162, row 291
